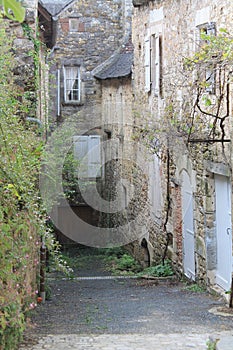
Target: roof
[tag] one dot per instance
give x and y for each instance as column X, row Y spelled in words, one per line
column 118, row 65
column 54, row 7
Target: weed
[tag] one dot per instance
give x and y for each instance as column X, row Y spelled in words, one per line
column 125, row 264
column 161, row 270
column 211, row 345
column 102, row 328
column 195, row 288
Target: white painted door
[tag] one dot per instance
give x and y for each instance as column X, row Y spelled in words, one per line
column 188, row 227
column 223, row 231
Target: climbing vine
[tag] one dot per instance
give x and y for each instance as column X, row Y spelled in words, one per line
column 22, row 217
column 198, row 120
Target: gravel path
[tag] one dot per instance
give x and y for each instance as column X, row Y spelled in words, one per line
column 123, row 308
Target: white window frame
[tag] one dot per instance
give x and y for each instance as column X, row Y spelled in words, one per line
column 73, row 25
column 72, row 84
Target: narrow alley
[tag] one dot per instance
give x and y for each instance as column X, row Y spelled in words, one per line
column 97, row 310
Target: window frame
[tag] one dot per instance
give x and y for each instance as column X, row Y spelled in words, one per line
column 73, row 28
column 72, row 88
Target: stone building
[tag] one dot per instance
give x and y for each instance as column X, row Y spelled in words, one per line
column 87, row 39
column 188, row 129
column 166, row 139
column 82, row 35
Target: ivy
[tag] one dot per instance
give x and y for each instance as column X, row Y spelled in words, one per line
column 13, row 10
column 22, row 216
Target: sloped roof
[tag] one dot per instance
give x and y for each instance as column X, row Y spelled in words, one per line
column 54, row 7
column 118, row 65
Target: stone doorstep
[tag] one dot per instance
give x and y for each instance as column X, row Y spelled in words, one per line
column 224, row 343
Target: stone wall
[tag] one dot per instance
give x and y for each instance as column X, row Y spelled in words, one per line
column 177, row 25
column 24, row 47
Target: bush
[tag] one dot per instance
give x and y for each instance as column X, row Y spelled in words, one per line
column 21, row 216
column 161, row 270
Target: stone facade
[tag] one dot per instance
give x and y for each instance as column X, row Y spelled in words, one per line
column 180, row 158
column 87, row 34
column 195, row 166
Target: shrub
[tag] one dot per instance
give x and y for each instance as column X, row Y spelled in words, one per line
column 161, row 270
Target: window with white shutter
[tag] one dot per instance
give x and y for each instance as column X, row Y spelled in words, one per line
column 147, row 65
column 87, row 151
column 210, row 73
column 153, row 64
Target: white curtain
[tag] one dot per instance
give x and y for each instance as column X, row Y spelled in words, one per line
column 71, row 77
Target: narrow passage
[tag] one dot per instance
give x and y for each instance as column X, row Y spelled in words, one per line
column 100, row 312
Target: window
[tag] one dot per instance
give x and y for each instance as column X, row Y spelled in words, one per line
column 72, row 84
column 210, row 73
column 153, row 64
column 73, row 24
column 87, row 151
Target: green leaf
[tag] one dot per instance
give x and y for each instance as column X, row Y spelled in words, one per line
column 13, row 10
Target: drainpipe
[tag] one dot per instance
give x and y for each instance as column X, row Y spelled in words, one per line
column 58, row 93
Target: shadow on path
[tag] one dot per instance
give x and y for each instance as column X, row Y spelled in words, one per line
column 122, row 306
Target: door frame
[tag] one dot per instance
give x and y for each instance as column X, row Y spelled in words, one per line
column 223, row 272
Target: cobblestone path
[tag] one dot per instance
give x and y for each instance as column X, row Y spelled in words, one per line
column 124, row 314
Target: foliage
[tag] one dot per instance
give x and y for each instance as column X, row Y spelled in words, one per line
column 113, row 252
column 127, row 262
column 122, row 264
column 70, row 178
column 21, row 220
column 195, row 288
column 22, row 217
column 160, row 270
column 211, row 345
column 13, row 10
column 208, row 106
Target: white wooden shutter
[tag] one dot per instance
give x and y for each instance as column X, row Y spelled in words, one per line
column 87, row 151
column 211, row 28
column 157, row 64
column 147, row 65
column 80, row 152
column 94, row 156
column 210, row 72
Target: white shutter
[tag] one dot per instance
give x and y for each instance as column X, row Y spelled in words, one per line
column 88, row 152
column 94, row 156
column 80, row 152
column 147, row 65
column 157, row 64
column 210, row 72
